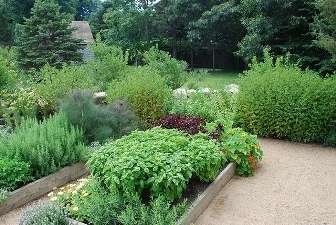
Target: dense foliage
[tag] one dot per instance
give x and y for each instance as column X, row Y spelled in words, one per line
column 88, row 202
column 98, row 122
column 280, row 100
column 210, row 106
column 43, row 213
column 14, row 174
column 188, row 124
column 158, row 160
column 46, row 147
column 146, row 92
column 45, row 37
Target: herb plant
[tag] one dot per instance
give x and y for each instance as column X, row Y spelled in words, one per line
column 47, row 146
column 43, row 213
column 242, row 148
column 158, row 160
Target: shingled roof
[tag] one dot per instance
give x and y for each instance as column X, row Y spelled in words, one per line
column 83, row 31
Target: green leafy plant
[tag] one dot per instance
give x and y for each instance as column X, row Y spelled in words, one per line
column 3, row 195
column 46, row 146
column 158, row 160
column 242, row 148
column 145, row 91
column 99, row 122
column 172, row 70
column 43, row 213
column 88, row 202
column 211, row 106
column 56, row 84
column 13, row 174
column 18, row 105
column 277, row 99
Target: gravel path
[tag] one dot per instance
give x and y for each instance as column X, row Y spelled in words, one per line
column 294, row 184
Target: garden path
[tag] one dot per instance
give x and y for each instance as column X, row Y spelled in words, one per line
column 294, row 184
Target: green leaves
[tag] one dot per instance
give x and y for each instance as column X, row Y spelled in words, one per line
column 159, row 160
column 279, row 100
column 242, row 148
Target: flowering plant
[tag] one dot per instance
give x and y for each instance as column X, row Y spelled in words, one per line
column 243, row 148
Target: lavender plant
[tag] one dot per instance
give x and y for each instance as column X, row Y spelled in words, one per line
column 43, row 213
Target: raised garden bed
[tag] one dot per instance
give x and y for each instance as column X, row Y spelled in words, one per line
column 203, row 201
column 42, row 186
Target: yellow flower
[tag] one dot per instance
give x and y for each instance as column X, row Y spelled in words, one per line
column 53, row 198
column 51, row 194
column 60, row 193
column 62, row 188
column 75, row 208
column 74, row 192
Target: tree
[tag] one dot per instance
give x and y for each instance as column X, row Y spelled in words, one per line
column 324, row 26
column 85, row 8
column 46, row 38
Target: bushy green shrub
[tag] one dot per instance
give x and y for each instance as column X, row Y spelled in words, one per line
column 47, row 146
column 89, row 202
column 56, row 84
column 99, row 122
column 211, row 106
column 280, row 100
column 172, row 70
column 13, row 174
column 159, row 160
column 43, row 213
column 109, row 63
column 17, row 105
column 242, row 148
column 8, row 76
column 146, row 92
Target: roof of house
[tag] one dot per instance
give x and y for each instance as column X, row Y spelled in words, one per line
column 83, row 31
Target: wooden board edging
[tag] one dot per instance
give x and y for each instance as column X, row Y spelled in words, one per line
column 204, row 200
column 42, row 186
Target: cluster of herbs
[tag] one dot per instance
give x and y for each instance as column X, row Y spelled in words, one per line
column 38, row 149
column 87, row 201
column 159, row 161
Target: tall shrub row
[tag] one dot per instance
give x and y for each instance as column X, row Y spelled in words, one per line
column 277, row 99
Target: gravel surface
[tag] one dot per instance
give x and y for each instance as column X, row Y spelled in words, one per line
column 294, row 184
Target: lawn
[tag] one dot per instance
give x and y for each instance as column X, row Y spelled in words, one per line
column 214, row 80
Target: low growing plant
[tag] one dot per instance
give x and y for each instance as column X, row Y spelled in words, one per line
column 88, row 202
column 3, row 195
column 14, row 174
column 43, row 213
column 158, row 160
column 242, row 148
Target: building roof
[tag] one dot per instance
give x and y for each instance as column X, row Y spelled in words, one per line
column 83, row 31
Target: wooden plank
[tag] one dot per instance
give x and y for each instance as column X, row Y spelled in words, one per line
column 204, row 200
column 42, row 186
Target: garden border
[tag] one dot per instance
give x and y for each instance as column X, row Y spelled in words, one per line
column 36, row 189
column 204, row 200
